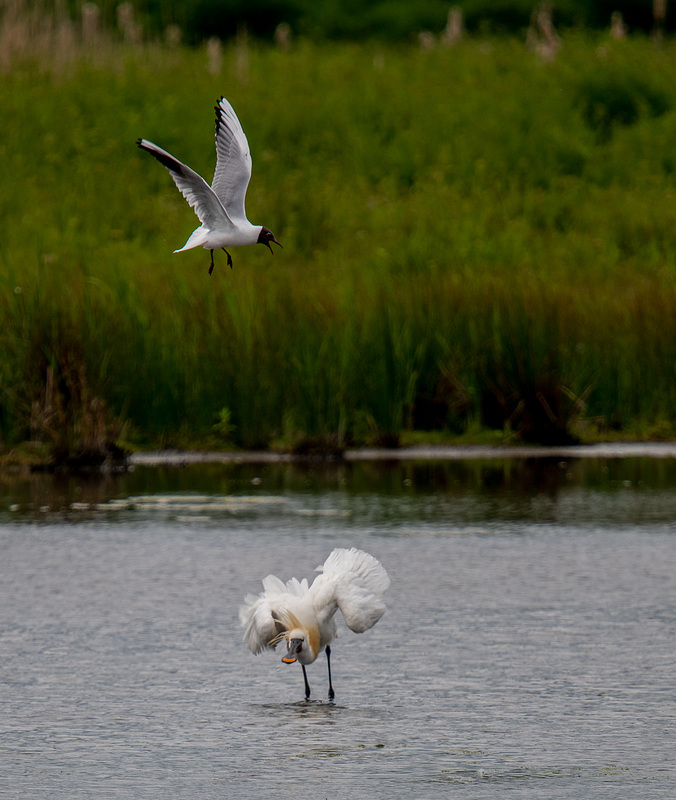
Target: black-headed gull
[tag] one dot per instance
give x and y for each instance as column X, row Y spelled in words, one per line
column 219, row 207
column 304, row 617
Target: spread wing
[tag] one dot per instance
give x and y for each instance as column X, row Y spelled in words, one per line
column 233, row 161
column 263, row 616
column 355, row 582
column 200, row 196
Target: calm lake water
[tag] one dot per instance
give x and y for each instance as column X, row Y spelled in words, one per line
column 529, row 648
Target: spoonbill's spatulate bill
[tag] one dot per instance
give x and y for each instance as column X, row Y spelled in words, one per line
column 219, row 207
column 303, row 617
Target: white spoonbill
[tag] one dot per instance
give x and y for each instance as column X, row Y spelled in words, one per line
column 219, row 207
column 303, row 616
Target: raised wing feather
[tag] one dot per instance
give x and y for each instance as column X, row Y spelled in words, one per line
column 200, row 196
column 356, row 582
column 233, row 161
column 257, row 616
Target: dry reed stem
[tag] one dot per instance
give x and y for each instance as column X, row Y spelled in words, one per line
column 52, row 40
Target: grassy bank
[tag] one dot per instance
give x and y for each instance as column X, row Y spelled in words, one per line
column 472, row 239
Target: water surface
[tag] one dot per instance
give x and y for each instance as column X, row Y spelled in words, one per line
column 528, row 645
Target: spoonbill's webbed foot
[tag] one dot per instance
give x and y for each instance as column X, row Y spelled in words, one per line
column 211, row 267
column 307, row 685
column 328, row 664
column 229, row 257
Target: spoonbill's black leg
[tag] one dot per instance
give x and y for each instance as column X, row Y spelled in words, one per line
column 328, row 664
column 211, row 268
column 307, row 685
column 229, row 257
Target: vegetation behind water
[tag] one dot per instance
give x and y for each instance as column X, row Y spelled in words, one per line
column 473, row 238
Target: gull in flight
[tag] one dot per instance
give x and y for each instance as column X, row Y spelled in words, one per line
column 303, row 617
column 219, row 207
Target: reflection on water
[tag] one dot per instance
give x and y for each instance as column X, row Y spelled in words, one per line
column 528, row 643
column 548, row 489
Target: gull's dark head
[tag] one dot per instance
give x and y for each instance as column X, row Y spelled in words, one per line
column 266, row 236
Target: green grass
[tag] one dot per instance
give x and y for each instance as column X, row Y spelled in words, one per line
column 472, row 238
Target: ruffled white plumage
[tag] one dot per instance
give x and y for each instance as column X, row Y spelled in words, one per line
column 355, row 582
column 351, row 580
column 262, row 615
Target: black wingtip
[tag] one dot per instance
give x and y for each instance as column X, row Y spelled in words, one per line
column 219, row 113
column 166, row 159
